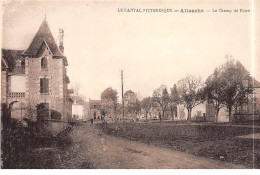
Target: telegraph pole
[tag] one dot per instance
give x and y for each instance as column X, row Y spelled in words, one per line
column 122, row 82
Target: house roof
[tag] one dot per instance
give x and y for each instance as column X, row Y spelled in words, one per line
column 4, row 65
column 95, row 101
column 43, row 36
column 10, row 57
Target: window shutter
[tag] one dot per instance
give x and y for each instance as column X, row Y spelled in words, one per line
column 47, row 85
column 41, row 85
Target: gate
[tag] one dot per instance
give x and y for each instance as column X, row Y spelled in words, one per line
column 42, row 115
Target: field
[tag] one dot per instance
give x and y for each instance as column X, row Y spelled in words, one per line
column 212, row 141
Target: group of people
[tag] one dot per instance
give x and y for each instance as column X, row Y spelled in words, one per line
column 102, row 117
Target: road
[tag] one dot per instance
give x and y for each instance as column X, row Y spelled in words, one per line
column 92, row 149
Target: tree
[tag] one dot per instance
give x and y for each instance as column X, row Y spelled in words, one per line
column 110, row 95
column 132, row 102
column 190, row 89
column 174, row 101
column 146, row 105
column 235, row 84
column 213, row 91
column 162, row 98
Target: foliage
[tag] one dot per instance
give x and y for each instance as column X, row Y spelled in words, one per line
column 229, row 85
column 55, row 115
column 161, row 98
column 174, row 100
column 110, row 95
column 146, row 105
column 132, row 102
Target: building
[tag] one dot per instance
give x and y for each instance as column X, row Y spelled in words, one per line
column 99, row 108
column 34, row 81
column 199, row 112
column 79, row 108
column 246, row 111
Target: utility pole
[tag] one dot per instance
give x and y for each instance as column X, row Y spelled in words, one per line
column 21, row 112
column 122, row 82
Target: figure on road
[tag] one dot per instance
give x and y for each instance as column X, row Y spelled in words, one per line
column 160, row 117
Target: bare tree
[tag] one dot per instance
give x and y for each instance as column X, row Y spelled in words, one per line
column 162, row 98
column 76, row 88
column 190, row 89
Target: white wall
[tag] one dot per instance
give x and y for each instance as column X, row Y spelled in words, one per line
column 17, row 83
column 223, row 115
column 200, row 109
column 77, row 110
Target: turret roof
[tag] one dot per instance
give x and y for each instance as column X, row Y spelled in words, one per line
column 43, row 36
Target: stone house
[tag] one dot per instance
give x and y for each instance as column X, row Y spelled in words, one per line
column 36, row 78
column 97, row 108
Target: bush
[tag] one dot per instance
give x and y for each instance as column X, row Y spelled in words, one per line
column 55, row 115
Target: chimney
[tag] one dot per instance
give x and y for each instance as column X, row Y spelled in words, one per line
column 61, row 31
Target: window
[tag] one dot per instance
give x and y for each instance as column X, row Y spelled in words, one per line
column 44, row 85
column 44, row 63
column 18, row 63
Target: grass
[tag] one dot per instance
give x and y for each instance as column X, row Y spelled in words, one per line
column 211, row 141
column 19, row 145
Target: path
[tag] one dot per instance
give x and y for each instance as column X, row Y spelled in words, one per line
column 91, row 149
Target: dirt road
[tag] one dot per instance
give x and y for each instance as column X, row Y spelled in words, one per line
column 91, row 149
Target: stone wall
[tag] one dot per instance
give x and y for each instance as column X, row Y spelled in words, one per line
column 3, row 86
column 53, row 127
column 54, row 73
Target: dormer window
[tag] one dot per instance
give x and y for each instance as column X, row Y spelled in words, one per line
column 18, row 63
column 44, row 63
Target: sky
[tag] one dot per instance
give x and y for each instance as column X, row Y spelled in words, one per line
column 151, row 48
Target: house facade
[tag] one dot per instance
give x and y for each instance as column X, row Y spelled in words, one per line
column 79, row 108
column 99, row 108
column 35, row 79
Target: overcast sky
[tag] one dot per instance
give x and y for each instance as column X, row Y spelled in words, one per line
column 151, row 48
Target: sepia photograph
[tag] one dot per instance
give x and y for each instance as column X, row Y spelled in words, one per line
column 130, row 85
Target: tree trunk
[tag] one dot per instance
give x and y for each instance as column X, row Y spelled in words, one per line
column 216, row 115
column 172, row 114
column 229, row 114
column 163, row 115
column 189, row 115
column 115, row 115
